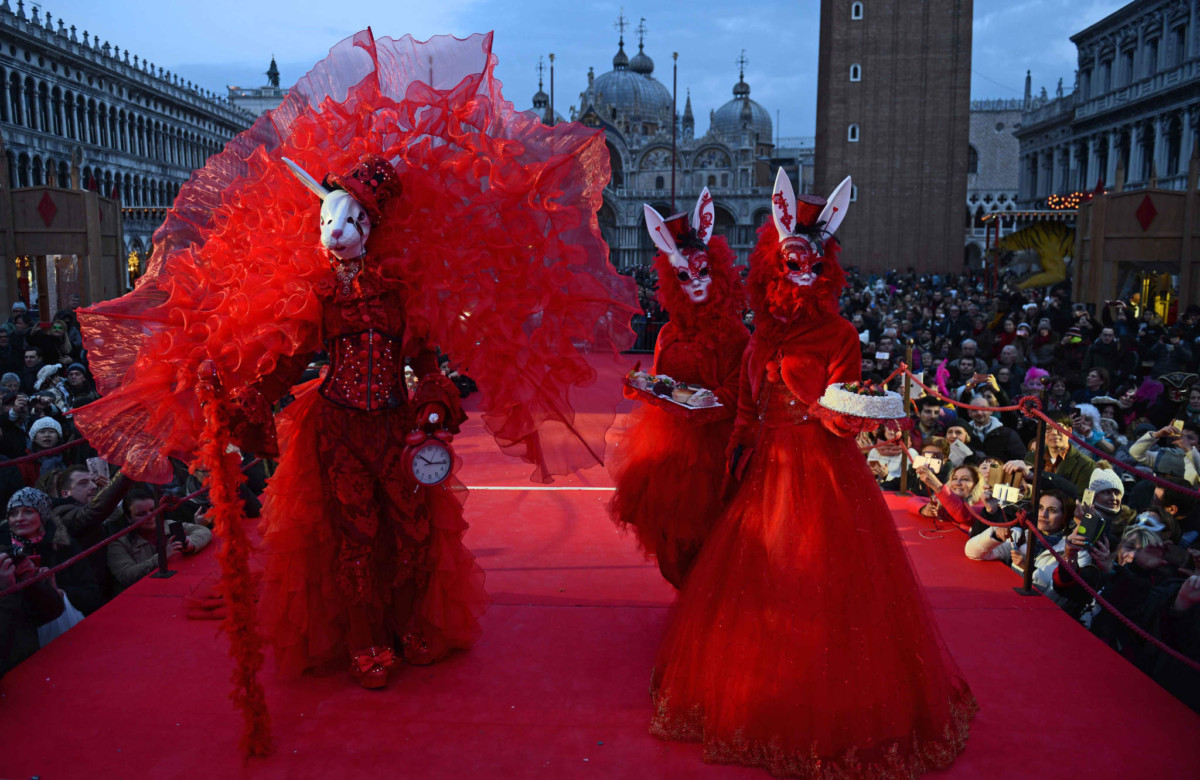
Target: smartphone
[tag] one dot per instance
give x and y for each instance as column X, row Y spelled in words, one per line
column 178, row 534
column 1006, row 494
column 1091, row 523
column 1177, row 425
column 883, row 355
column 98, row 467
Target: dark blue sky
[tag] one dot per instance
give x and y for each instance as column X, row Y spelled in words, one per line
column 229, row 42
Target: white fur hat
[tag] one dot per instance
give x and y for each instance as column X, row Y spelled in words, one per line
column 1106, row 479
column 44, row 374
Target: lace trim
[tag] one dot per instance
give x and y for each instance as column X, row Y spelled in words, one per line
column 894, row 761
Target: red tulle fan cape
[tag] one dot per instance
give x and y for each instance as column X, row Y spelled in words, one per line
column 494, row 242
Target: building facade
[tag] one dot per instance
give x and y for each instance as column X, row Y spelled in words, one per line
column 1135, row 107
column 735, row 157
column 131, row 131
column 896, row 117
column 993, row 172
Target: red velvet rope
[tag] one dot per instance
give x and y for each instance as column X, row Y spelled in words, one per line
column 167, row 503
column 42, row 453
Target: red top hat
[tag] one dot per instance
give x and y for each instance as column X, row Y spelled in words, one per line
column 808, row 209
column 371, row 182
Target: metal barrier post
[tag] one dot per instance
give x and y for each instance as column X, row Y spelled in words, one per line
column 1027, row 588
column 160, row 538
column 906, row 436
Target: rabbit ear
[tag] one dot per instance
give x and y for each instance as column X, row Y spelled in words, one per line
column 704, row 216
column 783, row 205
column 662, row 237
column 307, row 180
column 835, row 208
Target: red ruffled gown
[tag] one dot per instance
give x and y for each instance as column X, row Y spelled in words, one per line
column 802, row 642
column 669, row 467
column 492, row 252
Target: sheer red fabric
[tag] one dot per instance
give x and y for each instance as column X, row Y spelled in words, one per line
column 801, row 641
column 494, row 244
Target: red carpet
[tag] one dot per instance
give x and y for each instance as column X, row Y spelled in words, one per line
column 557, row 687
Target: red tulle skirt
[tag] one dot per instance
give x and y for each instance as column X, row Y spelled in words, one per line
column 305, row 609
column 668, row 472
column 802, row 642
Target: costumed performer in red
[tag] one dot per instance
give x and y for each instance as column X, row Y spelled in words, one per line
column 669, row 466
column 448, row 219
column 801, row 642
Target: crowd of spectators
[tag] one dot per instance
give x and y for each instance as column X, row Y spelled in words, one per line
column 1118, row 377
column 61, row 499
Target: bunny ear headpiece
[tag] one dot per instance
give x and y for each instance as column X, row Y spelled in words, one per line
column 792, row 216
column 308, row 181
column 667, row 234
column 703, row 216
column 835, row 209
column 661, row 235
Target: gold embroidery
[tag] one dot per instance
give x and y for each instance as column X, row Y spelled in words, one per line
column 896, row 761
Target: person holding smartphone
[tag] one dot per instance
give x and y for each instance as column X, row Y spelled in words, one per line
column 135, row 555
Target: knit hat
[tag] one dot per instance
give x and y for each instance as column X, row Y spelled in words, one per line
column 1106, row 479
column 10, row 377
column 1044, row 323
column 31, row 497
column 76, row 367
column 44, row 374
column 1074, row 333
column 19, row 306
column 42, row 423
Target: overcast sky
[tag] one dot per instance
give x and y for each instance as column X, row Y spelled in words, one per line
column 217, row 43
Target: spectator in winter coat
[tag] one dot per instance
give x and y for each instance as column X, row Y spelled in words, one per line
column 22, row 612
column 1164, row 450
column 990, row 437
column 135, row 555
column 31, row 530
column 1055, row 508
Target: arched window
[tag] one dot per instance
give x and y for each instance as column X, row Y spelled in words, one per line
column 856, row 72
column 856, row 10
column 659, row 182
column 972, row 160
column 712, row 180
column 852, row 134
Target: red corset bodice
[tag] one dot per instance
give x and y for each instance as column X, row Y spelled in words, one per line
column 366, row 371
column 364, row 337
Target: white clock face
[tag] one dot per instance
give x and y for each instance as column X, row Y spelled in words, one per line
column 431, row 463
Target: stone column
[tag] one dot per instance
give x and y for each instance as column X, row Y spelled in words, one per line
column 1136, row 154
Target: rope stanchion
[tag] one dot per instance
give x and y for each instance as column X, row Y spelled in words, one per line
column 167, row 505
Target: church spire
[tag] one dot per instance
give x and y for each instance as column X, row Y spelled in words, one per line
column 273, row 73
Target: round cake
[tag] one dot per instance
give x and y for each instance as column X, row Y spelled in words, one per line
column 860, row 401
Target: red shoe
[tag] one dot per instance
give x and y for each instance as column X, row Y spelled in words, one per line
column 370, row 666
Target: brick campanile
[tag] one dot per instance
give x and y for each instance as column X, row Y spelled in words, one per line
column 893, row 111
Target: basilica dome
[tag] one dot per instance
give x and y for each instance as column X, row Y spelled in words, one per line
column 629, row 90
column 728, row 120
